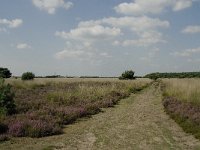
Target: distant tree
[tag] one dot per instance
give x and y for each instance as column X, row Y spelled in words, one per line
column 5, row 73
column 129, row 74
column 28, row 76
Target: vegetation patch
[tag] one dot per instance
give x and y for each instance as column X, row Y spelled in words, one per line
column 157, row 75
column 28, row 76
column 42, row 110
column 186, row 115
column 127, row 75
column 182, row 103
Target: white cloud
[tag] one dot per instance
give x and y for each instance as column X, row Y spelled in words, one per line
column 81, row 54
column 69, row 54
column 151, row 55
column 191, row 29
column 140, row 7
column 11, row 23
column 182, row 4
column 23, row 46
column 144, row 27
column 104, row 54
column 187, row 52
column 146, row 39
column 134, row 23
column 50, row 6
column 92, row 33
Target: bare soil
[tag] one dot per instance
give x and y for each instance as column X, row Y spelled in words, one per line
column 138, row 122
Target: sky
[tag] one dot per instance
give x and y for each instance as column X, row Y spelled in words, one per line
column 99, row 37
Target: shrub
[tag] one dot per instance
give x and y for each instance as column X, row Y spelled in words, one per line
column 3, row 128
column 28, row 76
column 129, row 74
column 7, row 105
column 33, row 128
column 5, row 73
column 4, row 137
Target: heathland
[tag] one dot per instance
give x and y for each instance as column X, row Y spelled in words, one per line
column 104, row 114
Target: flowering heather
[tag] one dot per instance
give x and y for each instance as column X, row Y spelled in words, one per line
column 43, row 110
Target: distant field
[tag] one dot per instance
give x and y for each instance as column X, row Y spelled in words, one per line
column 43, row 106
column 182, row 103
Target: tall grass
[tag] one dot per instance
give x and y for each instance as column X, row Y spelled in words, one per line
column 182, row 103
column 187, row 90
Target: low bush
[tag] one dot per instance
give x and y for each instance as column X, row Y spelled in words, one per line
column 3, row 128
column 186, row 115
column 4, row 137
column 32, row 128
column 7, row 105
column 28, row 76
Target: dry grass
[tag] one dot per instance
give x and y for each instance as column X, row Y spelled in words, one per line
column 182, row 103
column 137, row 123
column 43, row 106
column 187, row 90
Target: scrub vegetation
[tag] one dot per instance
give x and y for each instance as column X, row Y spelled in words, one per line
column 43, row 107
column 182, row 103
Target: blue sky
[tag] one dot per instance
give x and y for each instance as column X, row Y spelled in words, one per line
column 99, row 37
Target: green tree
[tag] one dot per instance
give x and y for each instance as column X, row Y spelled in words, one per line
column 5, row 73
column 129, row 74
column 28, row 76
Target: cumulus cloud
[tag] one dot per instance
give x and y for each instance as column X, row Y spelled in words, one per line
column 134, row 23
column 191, row 29
column 187, row 52
column 111, row 28
column 80, row 54
column 144, row 27
column 69, row 54
column 23, row 46
column 139, row 7
column 50, row 6
column 146, row 39
column 11, row 23
column 150, row 55
column 92, row 33
column 182, row 4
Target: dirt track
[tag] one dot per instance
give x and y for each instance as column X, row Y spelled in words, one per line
column 138, row 122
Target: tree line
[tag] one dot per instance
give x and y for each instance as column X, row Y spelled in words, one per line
column 173, row 75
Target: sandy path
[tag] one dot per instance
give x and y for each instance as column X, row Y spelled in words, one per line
column 138, row 122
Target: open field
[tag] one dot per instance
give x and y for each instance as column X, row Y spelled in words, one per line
column 74, row 114
column 43, row 106
column 136, row 123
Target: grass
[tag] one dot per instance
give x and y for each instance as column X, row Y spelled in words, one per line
column 44, row 106
column 138, row 122
column 186, row 90
column 182, row 103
